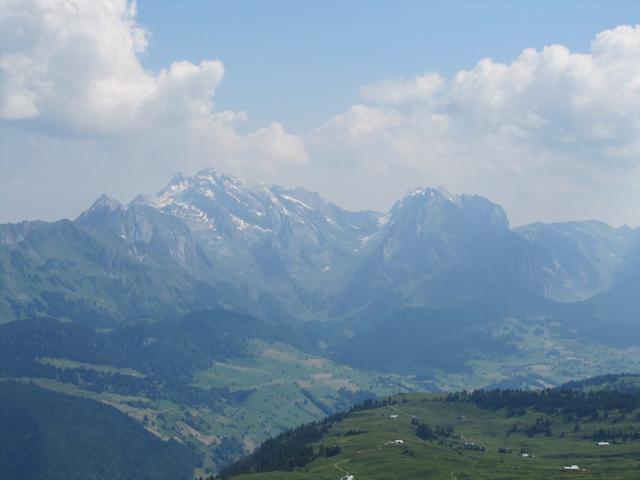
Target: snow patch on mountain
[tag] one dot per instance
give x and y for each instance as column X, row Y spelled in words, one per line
column 296, row 201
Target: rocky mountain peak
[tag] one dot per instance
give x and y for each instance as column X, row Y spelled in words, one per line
column 102, row 209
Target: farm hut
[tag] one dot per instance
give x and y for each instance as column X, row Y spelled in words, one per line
column 571, row 469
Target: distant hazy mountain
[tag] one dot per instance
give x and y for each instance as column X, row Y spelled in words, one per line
column 110, row 264
column 145, row 234
column 613, row 315
column 577, row 260
column 283, row 246
column 436, row 249
column 287, row 254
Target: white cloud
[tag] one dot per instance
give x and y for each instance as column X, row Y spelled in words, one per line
column 550, row 122
column 72, row 68
column 421, row 87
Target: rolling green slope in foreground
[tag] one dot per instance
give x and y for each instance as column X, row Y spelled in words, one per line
column 47, row 435
column 496, row 439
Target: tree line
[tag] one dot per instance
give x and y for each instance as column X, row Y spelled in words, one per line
column 553, row 401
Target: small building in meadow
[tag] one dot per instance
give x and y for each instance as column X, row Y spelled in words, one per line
column 571, row 469
column 396, row 442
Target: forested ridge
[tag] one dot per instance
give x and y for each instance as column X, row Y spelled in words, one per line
column 50, row 436
column 165, row 352
column 293, row 448
column 561, row 401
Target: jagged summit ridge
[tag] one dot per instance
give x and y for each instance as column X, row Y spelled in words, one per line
column 225, row 205
column 429, row 208
column 313, row 256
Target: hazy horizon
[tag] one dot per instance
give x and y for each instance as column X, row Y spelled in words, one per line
column 125, row 202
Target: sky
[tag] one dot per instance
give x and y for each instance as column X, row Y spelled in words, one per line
column 535, row 105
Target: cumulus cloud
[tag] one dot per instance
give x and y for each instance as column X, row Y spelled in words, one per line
column 398, row 91
column 551, row 122
column 72, row 68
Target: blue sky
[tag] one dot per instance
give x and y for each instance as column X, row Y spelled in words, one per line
column 301, row 62
column 535, row 105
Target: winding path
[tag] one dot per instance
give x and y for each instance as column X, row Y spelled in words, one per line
column 346, row 474
column 337, row 465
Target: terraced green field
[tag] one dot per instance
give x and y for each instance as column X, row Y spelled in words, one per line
column 366, row 452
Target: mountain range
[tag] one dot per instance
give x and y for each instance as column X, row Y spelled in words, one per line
column 289, row 255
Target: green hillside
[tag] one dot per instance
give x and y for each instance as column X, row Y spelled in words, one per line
column 46, row 435
column 502, row 434
column 216, row 380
